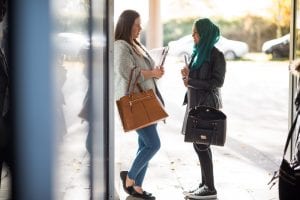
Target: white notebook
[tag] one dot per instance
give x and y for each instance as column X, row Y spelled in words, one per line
column 159, row 55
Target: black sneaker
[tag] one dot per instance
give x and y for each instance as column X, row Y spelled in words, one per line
column 190, row 191
column 203, row 193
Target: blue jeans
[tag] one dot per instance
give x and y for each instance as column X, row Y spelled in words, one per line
column 149, row 144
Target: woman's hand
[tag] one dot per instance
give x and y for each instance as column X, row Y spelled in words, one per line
column 157, row 72
column 185, row 71
column 185, row 75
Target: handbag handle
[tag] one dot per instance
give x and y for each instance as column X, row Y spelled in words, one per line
column 130, row 79
column 276, row 173
column 135, row 84
column 290, row 134
column 205, row 98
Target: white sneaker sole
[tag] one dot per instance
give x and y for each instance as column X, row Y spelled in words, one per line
column 185, row 193
column 214, row 196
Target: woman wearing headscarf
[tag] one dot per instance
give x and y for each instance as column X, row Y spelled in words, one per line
column 203, row 77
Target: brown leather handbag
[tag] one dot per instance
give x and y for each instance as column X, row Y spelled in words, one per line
column 141, row 109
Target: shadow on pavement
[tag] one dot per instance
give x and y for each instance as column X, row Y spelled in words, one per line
column 252, row 153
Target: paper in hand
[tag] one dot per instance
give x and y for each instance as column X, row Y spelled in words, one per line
column 186, row 60
column 159, row 55
column 164, row 55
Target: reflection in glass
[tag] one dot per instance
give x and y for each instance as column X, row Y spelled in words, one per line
column 6, row 156
column 297, row 33
column 71, row 45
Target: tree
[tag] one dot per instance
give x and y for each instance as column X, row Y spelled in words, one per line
column 281, row 15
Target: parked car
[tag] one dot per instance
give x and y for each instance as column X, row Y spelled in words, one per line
column 232, row 49
column 279, row 47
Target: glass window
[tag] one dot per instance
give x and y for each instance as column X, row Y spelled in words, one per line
column 297, row 33
column 71, row 44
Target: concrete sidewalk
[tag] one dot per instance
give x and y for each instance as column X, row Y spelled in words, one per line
column 257, row 128
column 241, row 171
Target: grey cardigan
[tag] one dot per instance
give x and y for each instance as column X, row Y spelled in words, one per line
column 125, row 59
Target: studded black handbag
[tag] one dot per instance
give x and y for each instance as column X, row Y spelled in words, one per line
column 206, row 125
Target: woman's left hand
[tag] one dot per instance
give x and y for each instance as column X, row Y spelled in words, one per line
column 158, row 72
column 162, row 69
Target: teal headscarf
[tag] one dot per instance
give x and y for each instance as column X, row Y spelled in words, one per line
column 209, row 36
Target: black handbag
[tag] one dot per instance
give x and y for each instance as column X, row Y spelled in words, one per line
column 289, row 181
column 206, row 125
column 288, row 174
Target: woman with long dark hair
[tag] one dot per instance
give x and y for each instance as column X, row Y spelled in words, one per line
column 130, row 55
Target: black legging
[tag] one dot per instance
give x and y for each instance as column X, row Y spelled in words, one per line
column 205, row 158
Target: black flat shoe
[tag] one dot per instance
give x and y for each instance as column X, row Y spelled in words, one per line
column 123, row 175
column 144, row 195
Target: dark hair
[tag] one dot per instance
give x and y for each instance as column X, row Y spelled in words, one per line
column 125, row 24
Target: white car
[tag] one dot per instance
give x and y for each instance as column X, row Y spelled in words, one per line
column 279, row 47
column 232, row 49
column 71, row 45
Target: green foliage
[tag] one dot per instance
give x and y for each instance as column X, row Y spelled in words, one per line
column 176, row 28
column 71, row 24
column 253, row 30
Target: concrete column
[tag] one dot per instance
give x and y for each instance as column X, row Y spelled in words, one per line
column 154, row 36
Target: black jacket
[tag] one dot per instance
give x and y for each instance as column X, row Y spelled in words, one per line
column 205, row 82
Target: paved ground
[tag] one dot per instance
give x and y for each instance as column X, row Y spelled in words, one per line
column 255, row 98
